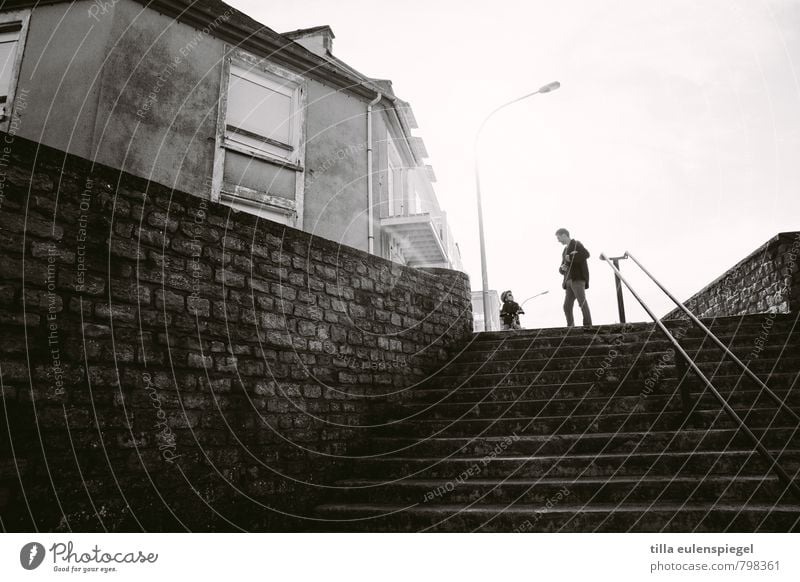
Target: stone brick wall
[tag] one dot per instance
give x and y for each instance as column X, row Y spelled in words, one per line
column 168, row 363
column 767, row 280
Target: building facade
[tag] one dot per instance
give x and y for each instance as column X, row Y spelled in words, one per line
column 494, row 311
column 201, row 98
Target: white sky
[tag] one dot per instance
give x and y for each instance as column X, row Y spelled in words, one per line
column 675, row 134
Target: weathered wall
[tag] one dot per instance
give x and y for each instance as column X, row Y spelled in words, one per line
column 169, row 139
column 167, row 363
column 102, row 109
column 766, row 280
column 336, row 167
column 62, row 70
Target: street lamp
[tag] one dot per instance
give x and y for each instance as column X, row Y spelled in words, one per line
column 533, row 297
column 484, row 276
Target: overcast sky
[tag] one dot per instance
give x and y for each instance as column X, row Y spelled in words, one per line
column 675, row 134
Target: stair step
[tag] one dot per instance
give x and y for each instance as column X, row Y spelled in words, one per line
column 774, row 350
column 589, row 443
column 611, row 361
column 698, row 463
column 626, row 376
column 641, row 517
column 566, row 429
column 592, row 423
column 578, row 337
column 475, row 391
column 587, row 405
column 614, row 490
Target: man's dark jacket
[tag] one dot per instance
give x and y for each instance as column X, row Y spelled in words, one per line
column 578, row 268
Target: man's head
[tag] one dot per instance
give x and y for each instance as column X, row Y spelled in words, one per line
column 507, row 296
column 562, row 234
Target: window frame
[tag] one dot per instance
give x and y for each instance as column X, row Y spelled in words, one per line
column 261, row 68
column 7, row 20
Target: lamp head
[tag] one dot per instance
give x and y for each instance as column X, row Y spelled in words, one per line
column 550, row 87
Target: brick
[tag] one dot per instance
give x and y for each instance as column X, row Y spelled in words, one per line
column 259, row 285
column 149, row 237
column 30, row 226
column 161, row 221
column 312, row 391
column 125, row 313
column 225, row 311
column 182, row 281
column 308, row 312
column 265, row 303
column 273, row 321
column 278, row 339
column 229, row 278
column 81, row 282
column 7, row 293
column 167, row 261
column 189, row 248
column 43, row 301
column 130, row 291
column 169, row 300
column 52, row 252
column 284, row 292
column 198, row 306
column 307, row 328
column 195, row 360
column 347, row 378
column 127, row 249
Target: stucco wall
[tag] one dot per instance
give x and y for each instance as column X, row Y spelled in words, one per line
column 62, row 69
column 336, row 166
column 169, row 140
column 130, row 52
column 104, row 110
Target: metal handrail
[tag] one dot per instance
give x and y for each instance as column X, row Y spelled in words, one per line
column 773, row 463
column 719, row 343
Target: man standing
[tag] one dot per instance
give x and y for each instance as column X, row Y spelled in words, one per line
column 576, row 276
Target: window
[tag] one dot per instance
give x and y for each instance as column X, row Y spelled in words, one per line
column 417, row 203
column 263, row 115
column 394, row 186
column 8, row 51
column 260, row 140
column 390, row 184
column 13, row 27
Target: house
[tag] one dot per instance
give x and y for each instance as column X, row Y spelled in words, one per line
column 200, row 97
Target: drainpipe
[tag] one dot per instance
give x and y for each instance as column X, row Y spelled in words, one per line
column 370, row 225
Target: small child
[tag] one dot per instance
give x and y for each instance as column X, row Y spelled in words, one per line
column 510, row 312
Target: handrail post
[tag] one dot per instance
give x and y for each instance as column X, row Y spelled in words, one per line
column 618, row 283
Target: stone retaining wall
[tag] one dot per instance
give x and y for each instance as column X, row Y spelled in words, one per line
column 767, row 280
column 168, row 363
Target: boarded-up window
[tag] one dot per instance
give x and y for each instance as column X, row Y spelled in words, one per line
column 9, row 41
column 262, row 114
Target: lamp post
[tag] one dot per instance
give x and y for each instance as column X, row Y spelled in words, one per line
column 484, row 275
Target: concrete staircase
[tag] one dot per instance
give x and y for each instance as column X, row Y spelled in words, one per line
column 570, row 430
